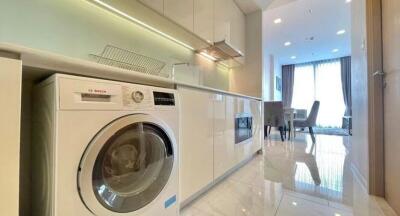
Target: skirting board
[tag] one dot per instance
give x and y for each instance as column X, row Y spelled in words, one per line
column 197, row 195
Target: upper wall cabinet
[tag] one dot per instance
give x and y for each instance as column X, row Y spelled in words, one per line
column 180, row 11
column 204, row 19
column 229, row 24
column 157, row 5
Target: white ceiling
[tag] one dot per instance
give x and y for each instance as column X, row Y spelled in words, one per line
column 298, row 23
column 249, row 6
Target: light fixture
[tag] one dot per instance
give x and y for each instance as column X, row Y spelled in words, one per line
column 335, row 50
column 348, row 1
column 278, row 20
column 293, row 57
column 340, row 32
column 130, row 18
column 288, row 43
column 294, row 203
column 337, row 214
column 208, row 56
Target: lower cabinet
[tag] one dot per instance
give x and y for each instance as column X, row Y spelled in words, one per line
column 207, row 144
column 196, row 141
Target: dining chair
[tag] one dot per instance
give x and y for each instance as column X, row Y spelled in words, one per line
column 274, row 116
column 310, row 121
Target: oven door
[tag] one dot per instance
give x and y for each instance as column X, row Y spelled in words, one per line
column 243, row 127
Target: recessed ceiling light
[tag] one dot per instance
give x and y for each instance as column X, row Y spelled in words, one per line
column 294, row 203
column 335, row 50
column 348, row 1
column 293, row 57
column 288, row 43
column 278, row 20
column 340, row 32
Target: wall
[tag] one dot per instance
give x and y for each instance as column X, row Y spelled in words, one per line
column 249, row 79
column 277, row 73
column 359, row 80
column 272, row 69
column 77, row 28
column 391, row 66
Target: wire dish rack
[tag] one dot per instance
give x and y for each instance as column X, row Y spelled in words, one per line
column 129, row 60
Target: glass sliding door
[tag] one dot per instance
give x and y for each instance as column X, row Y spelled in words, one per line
column 320, row 81
column 328, row 90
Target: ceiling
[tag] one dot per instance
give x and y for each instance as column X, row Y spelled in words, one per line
column 301, row 20
column 249, row 6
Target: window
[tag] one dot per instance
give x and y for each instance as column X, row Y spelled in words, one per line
column 320, row 81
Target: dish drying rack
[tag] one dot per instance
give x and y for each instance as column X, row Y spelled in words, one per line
column 129, row 60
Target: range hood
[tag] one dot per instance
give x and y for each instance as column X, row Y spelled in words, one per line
column 220, row 51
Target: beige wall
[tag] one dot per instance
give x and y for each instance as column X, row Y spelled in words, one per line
column 77, row 28
column 359, row 89
column 249, row 79
column 391, row 64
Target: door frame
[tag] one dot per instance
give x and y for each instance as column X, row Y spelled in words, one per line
column 376, row 174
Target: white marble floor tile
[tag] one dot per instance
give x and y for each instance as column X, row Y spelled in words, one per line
column 293, row 206
column 292, row 178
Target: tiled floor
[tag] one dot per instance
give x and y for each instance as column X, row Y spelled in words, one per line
column 292, row 178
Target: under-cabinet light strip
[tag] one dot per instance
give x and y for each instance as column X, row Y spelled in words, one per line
column 121, row 13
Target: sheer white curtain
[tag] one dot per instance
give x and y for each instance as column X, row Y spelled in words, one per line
column 303, row 88
column 320, row 81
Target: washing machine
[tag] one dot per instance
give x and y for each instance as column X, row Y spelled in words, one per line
column 104, row 148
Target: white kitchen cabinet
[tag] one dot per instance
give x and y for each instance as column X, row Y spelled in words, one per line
column 180, row 11
column 204, row 19
column 157, row 5
column 229, row 24
column 258, row 125
column 10, row 115
column 224, row 137
column 196, row 141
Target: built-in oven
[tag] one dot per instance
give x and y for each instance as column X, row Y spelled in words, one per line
column 243, row 127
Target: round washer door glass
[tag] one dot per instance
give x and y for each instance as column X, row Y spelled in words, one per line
column 132, row 167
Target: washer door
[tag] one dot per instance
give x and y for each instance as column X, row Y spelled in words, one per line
column 126, row 166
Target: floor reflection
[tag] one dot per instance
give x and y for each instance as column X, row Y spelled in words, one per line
column 318, row 169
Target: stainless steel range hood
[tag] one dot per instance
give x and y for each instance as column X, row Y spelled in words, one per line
column 221, row 51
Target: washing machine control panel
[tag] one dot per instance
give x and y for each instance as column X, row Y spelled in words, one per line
column 139, row 97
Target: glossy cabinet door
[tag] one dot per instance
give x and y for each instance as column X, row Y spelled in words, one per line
column 258, row 125
column 229, row 24
column 180, row 11
column 196, row 141
column 222, row 20
column 224, row 129
column 157, row 5
column 10, row 125
column 238, row 29
column 204, row 19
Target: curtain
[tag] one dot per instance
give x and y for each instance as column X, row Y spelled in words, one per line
column 328, row 90
column 320, row 81
column 304, row 87
column 345, row 63
column 287, row 84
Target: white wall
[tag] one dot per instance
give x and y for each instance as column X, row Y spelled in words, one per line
column 77, row 28
column 359, row 80
column 272, row 69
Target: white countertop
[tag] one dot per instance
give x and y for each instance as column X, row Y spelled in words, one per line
column 58, row 63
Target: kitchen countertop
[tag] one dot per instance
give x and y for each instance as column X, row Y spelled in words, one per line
column 39, row 59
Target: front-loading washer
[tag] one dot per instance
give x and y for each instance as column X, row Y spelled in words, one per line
column 104, row 148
